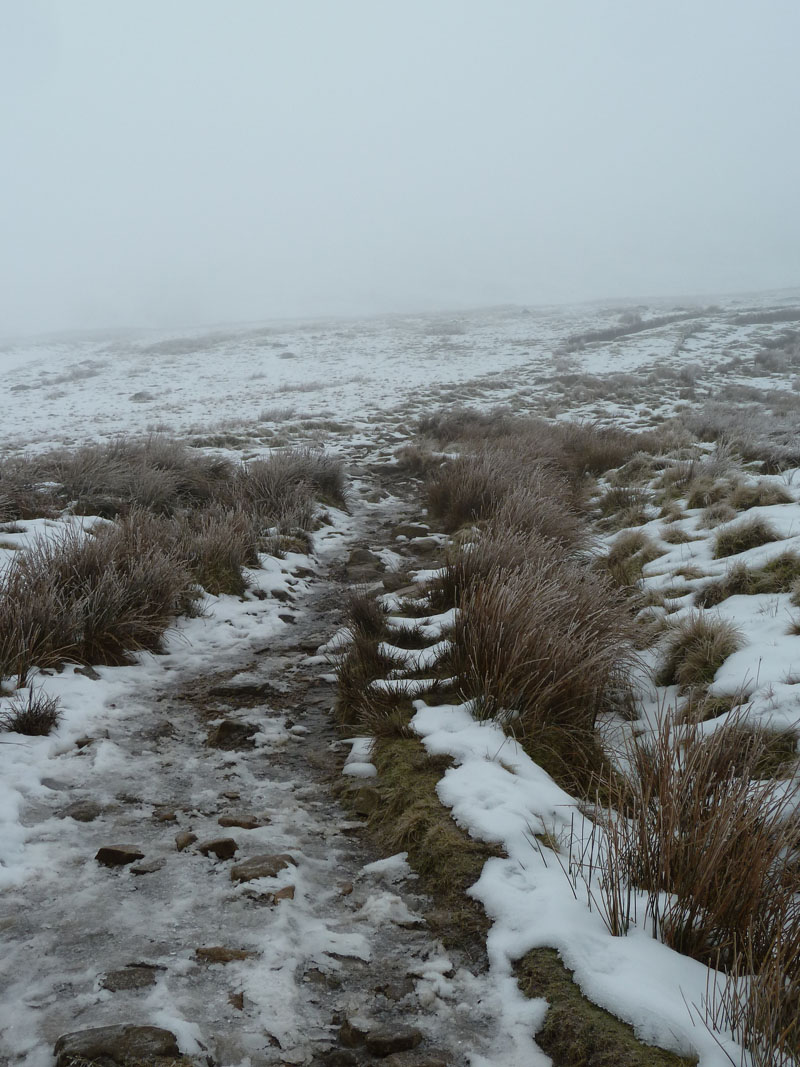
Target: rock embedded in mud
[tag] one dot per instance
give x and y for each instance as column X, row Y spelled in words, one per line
column 134, row 976
column 230, row 735
column 391, row 1039
column 220, row 954
column 363, row 799
column 353, row 1032
column 82, row 811
column 118, row 855
column 124, row 1045
column 265, row 866
column 244, row 822
column 224, row 848
column 184, row 839
column 362, row 557
column 164, row 815
column 411, row 529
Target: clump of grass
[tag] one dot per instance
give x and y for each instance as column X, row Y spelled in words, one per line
column 704, row 491
column 544, row 650
column 705, row 838
column 366, row 614
column 361, row 664
column 216, row 545
column 751, row 533
column 779, row 575
column 627, row 557
column 34, row 714
column 717, row 514
column 696, row 649
column 90, row 599
column 760, row 494
column 417, row 458
column 622, row 506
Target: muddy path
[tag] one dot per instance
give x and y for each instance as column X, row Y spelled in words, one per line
column 247, row 911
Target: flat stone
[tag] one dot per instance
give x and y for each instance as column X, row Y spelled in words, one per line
column 123, row 1045
column 148, row 868
column 287, row 893
column 411, row 529
column 224, row 848
column 56, row 784
column 184, row 839
column 82, row 811
column 231, row 794
column 164, row 815
column 162, row 729
column 339, row 1057
column 425, row 546
column 363, row 557
column 219, row 954
column 236, row 1000
column 265, row 866
column 281, row 595
column 394, row 580
column 135, row 976
column 353, row 1033
column 118, row 855
column 391, row 1039
column 88, row 672
column 246, row 822
column 230, row 735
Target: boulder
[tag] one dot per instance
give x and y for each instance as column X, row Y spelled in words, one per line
column 224, row 848
column 264, row 866
column 123, row 1045
column 118, row 855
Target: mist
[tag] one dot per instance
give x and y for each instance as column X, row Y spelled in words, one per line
column 198, row 161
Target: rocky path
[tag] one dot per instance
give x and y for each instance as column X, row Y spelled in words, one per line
column 202, row 878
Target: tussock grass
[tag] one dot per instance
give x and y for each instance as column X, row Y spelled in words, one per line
column 696, row 649
column 705, row 838
column 750, row 533
column 34, row 714
column 717, row 514
column 361, row 664
column 544, row 650
column 627, row 557
column 366, row 614
column 779, row 575
column 761, row 494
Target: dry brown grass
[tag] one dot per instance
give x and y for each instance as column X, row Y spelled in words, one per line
column 703, row 838
column 695, row 650
column 544, row 650
column 90, row 599
column 627, row 557
column 750, row 533
column 34, row 714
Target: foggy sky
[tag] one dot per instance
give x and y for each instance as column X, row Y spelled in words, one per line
column 169, row 162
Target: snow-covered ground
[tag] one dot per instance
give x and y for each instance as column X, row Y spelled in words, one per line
column 356, row 385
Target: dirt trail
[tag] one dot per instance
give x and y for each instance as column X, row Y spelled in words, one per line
column 291, row 956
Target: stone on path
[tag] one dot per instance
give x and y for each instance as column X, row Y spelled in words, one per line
column 230, row 735
column 134, row 976
column 184, row 839
column 219, row 954
column 124, row 1045
column 414, row 1059
column 265, row 866
column 391, row 1039
column 118, row 855
column 411, row 529
column 224, row 848
column 82, row 811
column 245, row 822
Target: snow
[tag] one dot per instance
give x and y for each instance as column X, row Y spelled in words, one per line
column 357, row 386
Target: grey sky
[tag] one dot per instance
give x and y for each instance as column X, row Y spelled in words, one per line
column 179, row 161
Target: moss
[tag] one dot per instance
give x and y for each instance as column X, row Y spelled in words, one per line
column 410, row 817
column 576, row 1032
